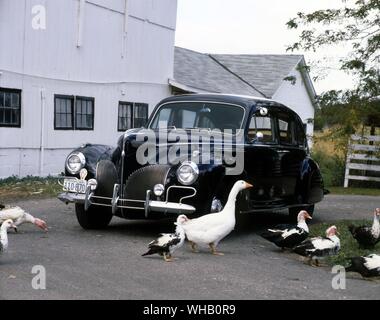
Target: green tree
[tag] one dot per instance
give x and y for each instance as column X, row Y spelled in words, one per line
column 356, row 25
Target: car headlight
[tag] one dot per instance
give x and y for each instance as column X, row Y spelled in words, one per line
column 187, row 173
column 75, row 162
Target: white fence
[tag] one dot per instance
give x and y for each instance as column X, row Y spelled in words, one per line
column 363, row 149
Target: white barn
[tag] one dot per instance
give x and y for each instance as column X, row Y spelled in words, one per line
column 72, row 71
column 83, row 71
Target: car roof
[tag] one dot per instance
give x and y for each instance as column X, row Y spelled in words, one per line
column 245, row 101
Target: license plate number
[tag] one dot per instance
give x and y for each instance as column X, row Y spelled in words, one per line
column 78, row 186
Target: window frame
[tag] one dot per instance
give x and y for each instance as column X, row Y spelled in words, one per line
column 68, row 97
column 133, row 118
column 124, row 103
column 74, row 99
column 19, row 92
column 83, row 98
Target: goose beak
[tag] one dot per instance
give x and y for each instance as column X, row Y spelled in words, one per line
column 248, row 185
column 308, row 216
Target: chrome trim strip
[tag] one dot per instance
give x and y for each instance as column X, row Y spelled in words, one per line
column 180, row 187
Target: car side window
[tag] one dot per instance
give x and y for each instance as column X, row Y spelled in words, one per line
column 261, row 129
column 286, row 129
column 300, row 135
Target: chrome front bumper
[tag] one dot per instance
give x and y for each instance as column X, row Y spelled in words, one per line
column 147, row 205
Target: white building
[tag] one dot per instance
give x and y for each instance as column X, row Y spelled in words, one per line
column 83, row 71
column 72, row 71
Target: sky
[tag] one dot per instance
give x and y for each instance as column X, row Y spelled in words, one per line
column 255, row 27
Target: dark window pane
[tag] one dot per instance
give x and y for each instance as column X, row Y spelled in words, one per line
column 84, row 113
column 140, row 114
column 10, row 107
column 15, row 100
column 63, row 112
column 125, row 116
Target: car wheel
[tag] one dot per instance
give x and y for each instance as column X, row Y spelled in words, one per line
column 94, row 217
column 293, row 212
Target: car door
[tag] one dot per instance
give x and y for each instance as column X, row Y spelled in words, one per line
column 262, row 161
column 292, row 151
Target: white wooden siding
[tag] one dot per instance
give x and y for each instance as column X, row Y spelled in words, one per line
column 110, row 65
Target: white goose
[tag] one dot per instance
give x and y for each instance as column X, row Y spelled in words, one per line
column 4, row 234
column 211, row 228
column 19, row 216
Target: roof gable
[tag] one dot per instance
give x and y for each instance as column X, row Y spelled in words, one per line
column 265, row 72
column 199, row 71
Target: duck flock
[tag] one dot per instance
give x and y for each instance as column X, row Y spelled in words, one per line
column 210, row 229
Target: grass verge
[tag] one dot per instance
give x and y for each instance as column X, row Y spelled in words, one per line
column 354, row 191
column 28, row 187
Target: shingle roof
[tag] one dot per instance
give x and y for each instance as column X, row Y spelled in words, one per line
column 259, row 75
column 265, row 72
column 200, row 71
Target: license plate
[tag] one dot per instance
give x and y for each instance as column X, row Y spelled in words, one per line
column 78, row 186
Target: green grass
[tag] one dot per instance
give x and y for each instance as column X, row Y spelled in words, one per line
column 349, row 246
column 354, row 191
column 28, row 187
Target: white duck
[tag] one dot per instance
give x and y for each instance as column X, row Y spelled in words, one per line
column 4, row 234
column 167, row 243
column 19, row 216
column 320, row 247
column 211, row 228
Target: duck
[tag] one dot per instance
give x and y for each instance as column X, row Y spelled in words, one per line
column 367, row 266
column 320, row 247
column 20, row 216
column 167, row 243
column 366, row 236
column 4, row 234
column 211, row 228
column 288, row 236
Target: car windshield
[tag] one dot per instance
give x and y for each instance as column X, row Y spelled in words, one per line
column 198, row 115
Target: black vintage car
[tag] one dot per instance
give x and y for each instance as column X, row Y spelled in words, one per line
column 192, row 150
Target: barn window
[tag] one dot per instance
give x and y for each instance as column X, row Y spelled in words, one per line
column 140, row 115
column 84, row 113
column 10, row 107
column 132, row 115
column 125, row 116
column 63, row 112
column 72, row 112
